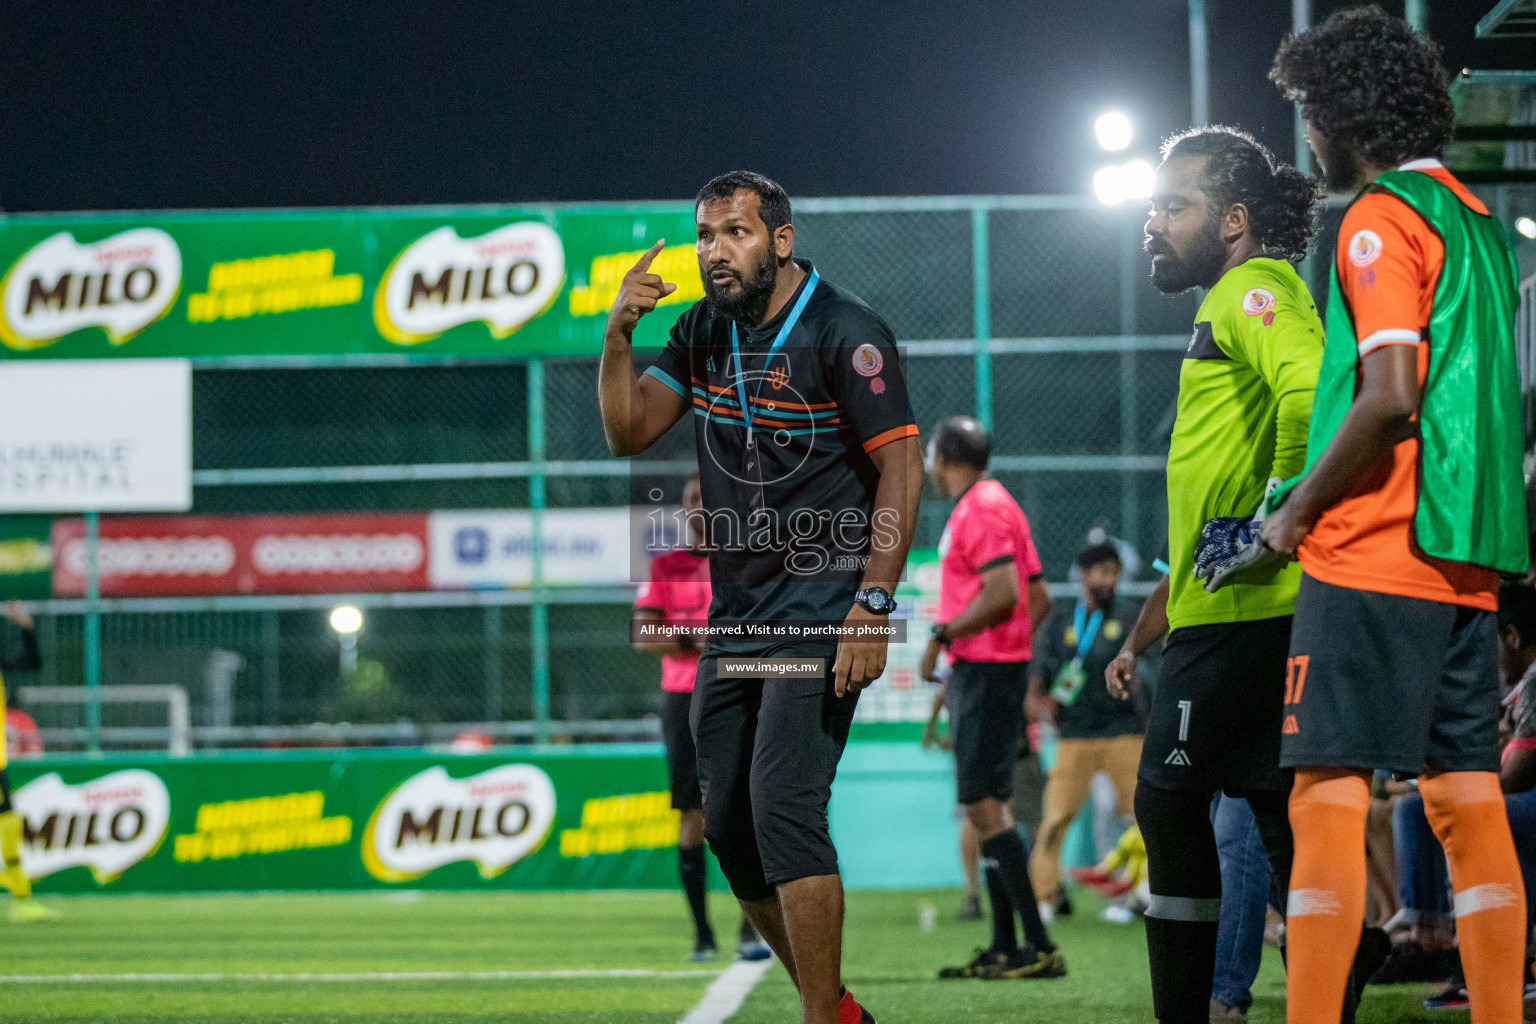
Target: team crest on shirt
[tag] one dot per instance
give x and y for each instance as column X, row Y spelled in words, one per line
column 867, row 360
column 1258, row 301
column 1364, row 248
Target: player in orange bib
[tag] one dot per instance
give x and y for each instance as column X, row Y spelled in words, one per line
column 1410, row 506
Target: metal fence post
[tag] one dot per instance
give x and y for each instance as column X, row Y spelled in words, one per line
column 492, row 641
column 539, row 611
column 92, row 635
column 271, row 670
column 982, row 313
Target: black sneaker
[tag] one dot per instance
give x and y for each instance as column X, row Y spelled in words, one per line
column 1030, row 963
column 705, row 953
column 1410, row 962
column 970, row 909
column 1452, row 997
column 979, row 966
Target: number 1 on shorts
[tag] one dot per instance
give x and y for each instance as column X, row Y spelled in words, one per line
column 1184, row 706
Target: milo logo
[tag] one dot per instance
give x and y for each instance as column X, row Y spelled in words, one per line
column 107, row 824
column 493, row 819
column 121, row 284
column 504, row 278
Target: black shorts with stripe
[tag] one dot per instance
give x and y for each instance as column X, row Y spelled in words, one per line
column 1391, row 683
column 1215, row 717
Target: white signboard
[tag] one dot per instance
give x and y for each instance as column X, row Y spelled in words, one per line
column 96, row 435
column 494, row 548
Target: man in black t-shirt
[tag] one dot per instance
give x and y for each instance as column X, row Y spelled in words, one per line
column 1095, row 732
column 811, row 473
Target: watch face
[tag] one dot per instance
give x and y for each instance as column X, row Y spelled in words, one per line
column 876, row 599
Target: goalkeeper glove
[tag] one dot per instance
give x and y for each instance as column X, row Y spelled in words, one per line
column 1230, row 544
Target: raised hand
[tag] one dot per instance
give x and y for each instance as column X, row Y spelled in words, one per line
column 639, row 293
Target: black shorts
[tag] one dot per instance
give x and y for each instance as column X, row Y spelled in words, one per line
column 682, row 762
column 1215, row 718
column 767, row 754
column 986, row 711
column 1399, row 684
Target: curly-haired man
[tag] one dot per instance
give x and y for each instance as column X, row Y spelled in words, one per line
column 1410, row 506
column 1227, row 217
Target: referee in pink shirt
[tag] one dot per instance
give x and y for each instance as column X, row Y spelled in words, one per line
column 678, row 593
column 990, row 599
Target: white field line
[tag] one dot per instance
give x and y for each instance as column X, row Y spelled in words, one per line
column 14, row 979
column 727, row 992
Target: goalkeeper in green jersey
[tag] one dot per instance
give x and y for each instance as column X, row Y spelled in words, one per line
column 1228, row 218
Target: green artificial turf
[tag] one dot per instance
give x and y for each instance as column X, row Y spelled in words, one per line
column 890, row 963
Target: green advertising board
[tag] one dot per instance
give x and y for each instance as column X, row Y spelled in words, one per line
column 26, row 557
column 350, row 819
column 431, row 281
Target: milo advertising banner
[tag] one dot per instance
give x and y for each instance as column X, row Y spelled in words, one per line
column 349, row 820
column 474, row 281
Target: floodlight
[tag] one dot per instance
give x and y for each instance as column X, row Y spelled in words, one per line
column 1113, row 130
column 1109, row 185
column 1526, row 226
column 346, row 619
column 1136, row 179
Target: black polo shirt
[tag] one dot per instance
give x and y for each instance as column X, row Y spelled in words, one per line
column 790, row 517
column 1095, row 714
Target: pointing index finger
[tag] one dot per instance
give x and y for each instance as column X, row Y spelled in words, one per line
column 649, row 255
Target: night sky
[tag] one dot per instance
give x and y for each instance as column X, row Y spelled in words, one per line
column 222, row 104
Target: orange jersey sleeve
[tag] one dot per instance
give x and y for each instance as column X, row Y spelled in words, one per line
column 1389, row 260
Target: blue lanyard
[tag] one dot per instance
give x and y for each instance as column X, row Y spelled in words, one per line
column 778, row 342
column 1087, row 631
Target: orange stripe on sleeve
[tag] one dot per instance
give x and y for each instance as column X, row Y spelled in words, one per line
column 894, row 434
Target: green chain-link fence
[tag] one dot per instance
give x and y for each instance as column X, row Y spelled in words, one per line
column 1033, row 312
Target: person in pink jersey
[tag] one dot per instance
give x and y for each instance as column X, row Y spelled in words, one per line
column 678, row 594
column 991, row 598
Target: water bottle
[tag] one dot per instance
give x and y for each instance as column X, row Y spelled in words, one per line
column 927, row 917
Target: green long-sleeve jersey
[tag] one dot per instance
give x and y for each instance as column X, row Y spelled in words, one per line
column 1245, row 397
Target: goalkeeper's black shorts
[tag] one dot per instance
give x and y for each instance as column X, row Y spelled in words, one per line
column 1216, row 710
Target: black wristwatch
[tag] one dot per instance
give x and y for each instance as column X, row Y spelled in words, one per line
column 875, row 600
column 940, row 633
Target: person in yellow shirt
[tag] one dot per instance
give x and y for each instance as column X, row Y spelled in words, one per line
column 12, row 875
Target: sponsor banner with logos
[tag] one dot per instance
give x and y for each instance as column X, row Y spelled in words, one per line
column 96, row 436
column 290, row 554
column 489, row 549
column 475, row 281
column 349, row 820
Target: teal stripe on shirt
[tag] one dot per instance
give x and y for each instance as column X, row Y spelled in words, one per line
column 666, row 378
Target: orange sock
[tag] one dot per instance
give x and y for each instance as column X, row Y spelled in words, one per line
column 1327, row 900
column 1466, row 810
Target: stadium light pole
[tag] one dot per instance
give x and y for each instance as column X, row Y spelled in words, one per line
column 1301, row 20
column 1199, row 66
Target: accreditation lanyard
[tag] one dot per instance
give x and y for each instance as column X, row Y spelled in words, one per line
column 1087, row 631
column 778, row 343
